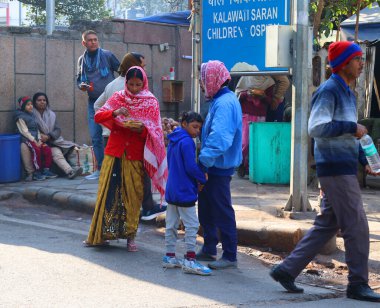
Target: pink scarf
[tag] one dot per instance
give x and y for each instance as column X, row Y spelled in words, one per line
column 145, row 108
column 213, row 75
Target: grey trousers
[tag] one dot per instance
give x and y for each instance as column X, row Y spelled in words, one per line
column 341, row 208
column 190, row 220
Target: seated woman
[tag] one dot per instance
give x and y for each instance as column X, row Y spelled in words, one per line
column 51, row 134
column 33, row 149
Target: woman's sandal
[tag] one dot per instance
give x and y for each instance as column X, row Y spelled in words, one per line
column 102, row 244
column 131, row 246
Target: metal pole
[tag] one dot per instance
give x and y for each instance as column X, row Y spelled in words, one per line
column 298, row 200
column 19, row 14
column 7, row 18
column 196, row 52
column 50, row 16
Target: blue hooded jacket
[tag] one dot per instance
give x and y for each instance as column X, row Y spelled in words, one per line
column 182, row 187
column 222, row 135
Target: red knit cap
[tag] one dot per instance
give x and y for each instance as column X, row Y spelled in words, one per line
column 340, row 53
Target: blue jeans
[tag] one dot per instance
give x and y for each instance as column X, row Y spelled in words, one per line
column 95, row 133
column 215, row 213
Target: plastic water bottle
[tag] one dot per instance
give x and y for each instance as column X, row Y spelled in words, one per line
column 371, row 153
column 171, row 73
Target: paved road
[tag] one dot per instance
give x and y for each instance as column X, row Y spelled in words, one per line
column 43, row 264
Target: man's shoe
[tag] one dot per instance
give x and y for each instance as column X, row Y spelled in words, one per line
column 201, row 256
column 362, row 292
column 93, row 176
column 222, row 264
column 154, row 212
column 75, row 172
column 284, row 279
column 194, row 267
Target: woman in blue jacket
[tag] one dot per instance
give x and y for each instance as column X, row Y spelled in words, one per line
column 220, row 155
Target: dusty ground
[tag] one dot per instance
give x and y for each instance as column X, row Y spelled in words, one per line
column 324, row 271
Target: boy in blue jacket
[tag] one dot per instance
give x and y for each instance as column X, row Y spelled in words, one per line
column 185, row 177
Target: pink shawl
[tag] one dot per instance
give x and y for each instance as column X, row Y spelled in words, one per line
column 213, row 75
column 145, row 108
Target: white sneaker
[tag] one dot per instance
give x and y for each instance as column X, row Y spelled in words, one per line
column 194, row 267
column 93, row 176
column 171, row 262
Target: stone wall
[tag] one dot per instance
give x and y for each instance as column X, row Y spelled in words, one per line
column 31, row 61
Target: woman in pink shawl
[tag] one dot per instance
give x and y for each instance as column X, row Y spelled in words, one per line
column 136, row 141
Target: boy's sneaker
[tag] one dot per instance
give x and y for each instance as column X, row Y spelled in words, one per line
column 194, row 267
column 154, row 212
column 171, row 262
column 37, row 176
column 48, row 174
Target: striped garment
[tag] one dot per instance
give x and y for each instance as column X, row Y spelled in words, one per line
column 332, row 124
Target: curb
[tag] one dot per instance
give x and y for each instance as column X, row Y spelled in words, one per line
column 52, row 197
column 262, row 234
column 266, row 234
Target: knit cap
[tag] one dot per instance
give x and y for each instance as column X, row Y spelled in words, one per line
column 340, row 53
column 22, row 102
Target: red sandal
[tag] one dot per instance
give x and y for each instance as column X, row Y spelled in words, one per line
column 131, row 246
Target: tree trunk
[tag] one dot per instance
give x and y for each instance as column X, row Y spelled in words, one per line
column 357, row 20
column 337, row 37
column 317, row 18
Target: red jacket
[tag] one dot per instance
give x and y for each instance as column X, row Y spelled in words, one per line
column 122, row 139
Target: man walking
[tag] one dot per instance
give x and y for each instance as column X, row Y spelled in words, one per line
column 220, row 155
column 333, row 125
column 96, row 69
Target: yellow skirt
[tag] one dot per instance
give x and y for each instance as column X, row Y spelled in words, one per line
column 120, row 194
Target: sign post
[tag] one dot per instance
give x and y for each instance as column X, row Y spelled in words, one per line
column 233, row 31
column 298, row 200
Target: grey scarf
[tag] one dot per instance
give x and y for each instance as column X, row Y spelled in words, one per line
column 46, row 124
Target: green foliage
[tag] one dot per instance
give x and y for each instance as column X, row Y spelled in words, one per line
column 67, row 11
column 335, row 11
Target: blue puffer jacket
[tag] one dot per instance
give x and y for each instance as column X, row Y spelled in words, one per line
column 182, row 187
column 221, row 135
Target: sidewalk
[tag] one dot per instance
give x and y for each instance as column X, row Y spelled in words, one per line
column 258, row 208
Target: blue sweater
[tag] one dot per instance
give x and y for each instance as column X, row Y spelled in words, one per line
column 182, row 186
column 332, row 124
column 221, row 135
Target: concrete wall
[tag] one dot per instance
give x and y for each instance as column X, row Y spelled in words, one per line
column 31, row 61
